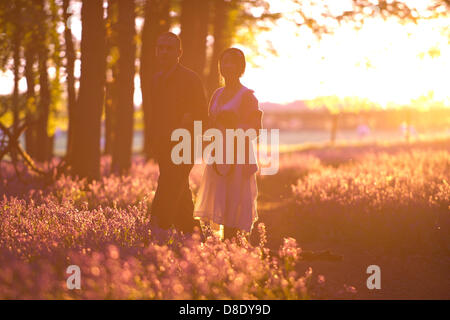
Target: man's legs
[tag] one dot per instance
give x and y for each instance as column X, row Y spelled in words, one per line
column 173, row 203
column 184, row 207
column 162, row 205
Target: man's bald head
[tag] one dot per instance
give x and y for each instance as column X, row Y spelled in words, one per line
column 168, row 49
column 173, row 36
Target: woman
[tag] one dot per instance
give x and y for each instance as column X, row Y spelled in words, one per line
column 228, row 192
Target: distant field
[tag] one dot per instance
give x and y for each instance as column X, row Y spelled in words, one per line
column 293, row 137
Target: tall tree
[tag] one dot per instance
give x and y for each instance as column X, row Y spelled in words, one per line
column 18, row 34
column 87, row 129
column 55, row 58
column 43, row 140
column 194, row 21
column 122, row 149
column 222, row 39
column 157, row 20
column 30, row 75
column 111, row 90
column 70, row 67
column 16, row 48
column 42, row 152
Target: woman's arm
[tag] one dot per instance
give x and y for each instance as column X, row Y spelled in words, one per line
column 252, row 115
column 210, row 121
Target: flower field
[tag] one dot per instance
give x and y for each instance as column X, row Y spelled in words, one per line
column 104, row 228
column 395, row 198
column 399, row 200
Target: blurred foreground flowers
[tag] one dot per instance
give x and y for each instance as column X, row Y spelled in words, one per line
column 104, row 229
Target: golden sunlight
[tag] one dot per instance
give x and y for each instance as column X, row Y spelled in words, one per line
column 385, row 61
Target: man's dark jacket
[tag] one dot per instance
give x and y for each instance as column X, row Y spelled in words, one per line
column 173, row 95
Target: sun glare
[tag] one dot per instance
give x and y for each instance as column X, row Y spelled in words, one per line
column 386, row 62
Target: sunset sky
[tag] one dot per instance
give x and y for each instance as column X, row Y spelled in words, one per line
column 385, row 61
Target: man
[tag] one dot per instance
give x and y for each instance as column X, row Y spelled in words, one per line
column 177, row 100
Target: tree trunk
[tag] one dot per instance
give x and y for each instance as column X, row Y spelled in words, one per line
column 157, row 20
column 17, row 40
column 30, row 132
column 42, row 139
column 194, row 30
column 221, row 42
column 70, row 66
column 43, row 109
column 204, row 11
column 110, row 110
column 122, row 149
column 111, row 94
column 87, row 125
column 111, row 101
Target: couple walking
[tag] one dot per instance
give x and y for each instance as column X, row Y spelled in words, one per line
column 227, row 193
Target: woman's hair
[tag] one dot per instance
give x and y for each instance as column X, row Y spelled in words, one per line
column 238, row 57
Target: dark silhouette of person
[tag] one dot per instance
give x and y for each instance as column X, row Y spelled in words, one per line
column 177, row 100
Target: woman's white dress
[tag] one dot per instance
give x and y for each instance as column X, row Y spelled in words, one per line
column 228, row 199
